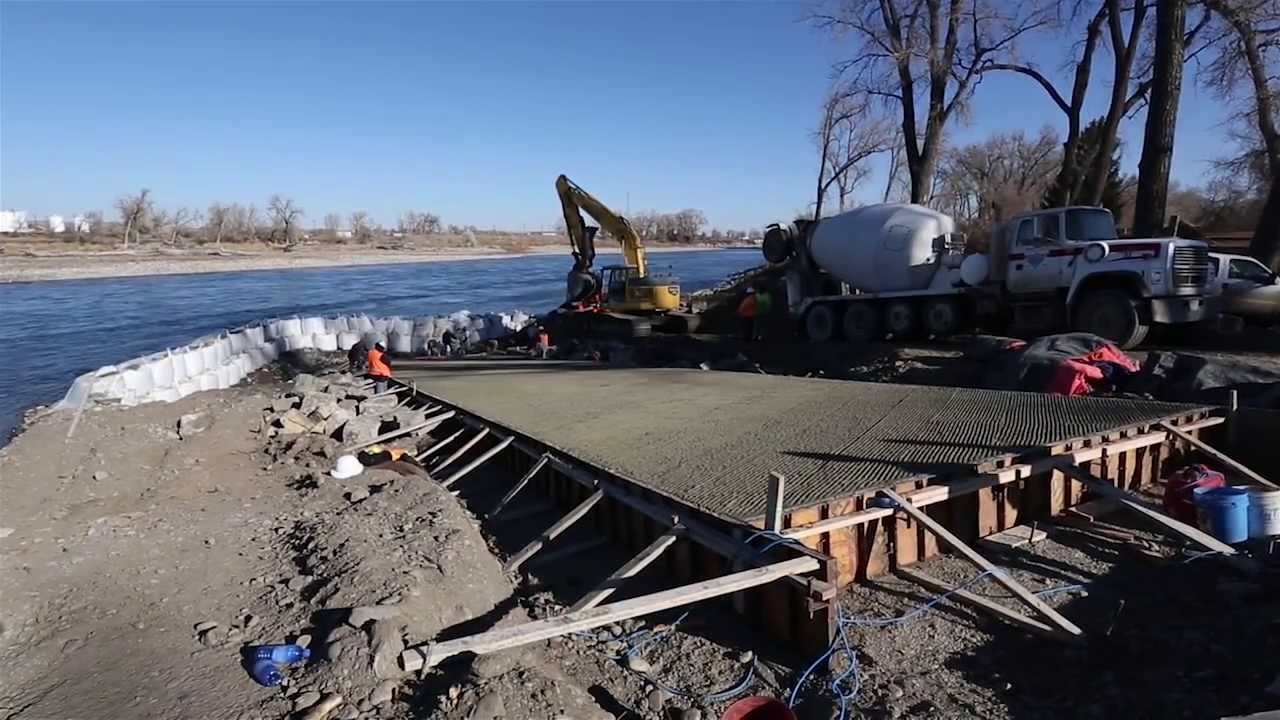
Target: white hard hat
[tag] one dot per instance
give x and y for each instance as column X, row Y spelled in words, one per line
column 347, row 467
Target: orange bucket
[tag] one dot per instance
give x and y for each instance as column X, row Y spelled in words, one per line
column 758, row 707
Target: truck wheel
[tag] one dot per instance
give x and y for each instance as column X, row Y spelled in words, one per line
column 861, row 322
column 900, row 319
column 820, row 323
column 1113, row 315
column 941, row 317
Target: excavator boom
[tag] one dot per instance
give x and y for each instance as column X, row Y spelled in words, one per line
column 574, row 201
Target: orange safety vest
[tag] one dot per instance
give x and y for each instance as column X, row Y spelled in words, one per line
column 544, row 340
column 378, row 367
column 747, row 308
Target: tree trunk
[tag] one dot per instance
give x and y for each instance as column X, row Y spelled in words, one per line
column 1265, row 245
column 1124, row 53
column 128, row 225
column 1152, row 195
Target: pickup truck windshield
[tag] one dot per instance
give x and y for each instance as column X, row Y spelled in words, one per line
column 1087, row 225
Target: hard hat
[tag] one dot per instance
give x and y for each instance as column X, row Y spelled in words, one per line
column 379, row 345
column 347, row 467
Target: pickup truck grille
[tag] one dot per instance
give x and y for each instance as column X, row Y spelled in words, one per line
column 1190, row 266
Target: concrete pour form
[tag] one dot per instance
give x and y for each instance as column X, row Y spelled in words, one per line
column 708, row 439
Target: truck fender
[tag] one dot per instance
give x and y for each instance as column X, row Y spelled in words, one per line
column 1126, row 280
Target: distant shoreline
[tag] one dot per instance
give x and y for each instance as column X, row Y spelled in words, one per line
column 84, row 266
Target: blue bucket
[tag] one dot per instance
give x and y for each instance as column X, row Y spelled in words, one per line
column 1223, row 512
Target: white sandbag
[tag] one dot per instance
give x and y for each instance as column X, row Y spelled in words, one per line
column 362, row 324
column 208, row 380
column 238, row 342
column 257, row 358
column 423, row 325
column 400, row 343
column 192, row 361
column 335, row 325
column 271, row 350
column 347, row 339
column 223, row 346
column 298, row 342
column 312, row 325
column 255, row 335
column 290, row 326
column 473, row 337
column 187, row 387
column 327, row 342
column 373, row 338
column 272, row 328
column 208, row 356
column 243, row 363
column 166, row 395
column 403, row 326
column 137, row 379
column 419, row 343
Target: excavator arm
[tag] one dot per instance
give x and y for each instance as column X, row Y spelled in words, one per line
column 574, row 201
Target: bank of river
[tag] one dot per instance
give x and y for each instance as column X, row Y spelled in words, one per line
column 52, row 332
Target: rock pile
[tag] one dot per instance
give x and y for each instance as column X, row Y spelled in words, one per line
column 339, row 408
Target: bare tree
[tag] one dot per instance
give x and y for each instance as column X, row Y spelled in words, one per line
column 847, row 136
column 419, row 223
column 1124, row 50
column 1152, row 195
column 176, row 222
column 909, row 50
column 361, row 228
column 219, row 217
column 1246, row 68
column 133, row 210
column 250, row 222
column 285, row 215
column 332, row 223
column 89, row 223
column 984, row 182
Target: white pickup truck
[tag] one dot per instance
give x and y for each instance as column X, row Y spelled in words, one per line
column 1249, row 289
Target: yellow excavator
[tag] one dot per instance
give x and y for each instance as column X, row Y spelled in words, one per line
column 624, row 299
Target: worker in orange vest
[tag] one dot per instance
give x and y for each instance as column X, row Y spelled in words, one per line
column 747, row 312
column 542, row 346
column 379, row 367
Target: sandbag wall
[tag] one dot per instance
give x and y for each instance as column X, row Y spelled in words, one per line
column 216, row 362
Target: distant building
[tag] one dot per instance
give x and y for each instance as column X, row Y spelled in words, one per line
column 343, row 233
column 57, row 224
column 13, row 221
column 82, row 224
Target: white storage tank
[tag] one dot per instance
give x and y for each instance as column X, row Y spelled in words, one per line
column 881, row 248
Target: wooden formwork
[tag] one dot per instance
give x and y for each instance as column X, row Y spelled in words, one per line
column 853, row 538
column 866, row 542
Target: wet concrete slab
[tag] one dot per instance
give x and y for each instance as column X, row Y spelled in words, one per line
column 709, row 439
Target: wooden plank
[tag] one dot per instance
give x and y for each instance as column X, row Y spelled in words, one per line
column 1218, row 455
column 773, row 516
column 1015, row 537
column 997, row 573
column 439, row 446
column 477, row 462
column 431, row 654
column 524, row 481
column 1178, row 528
column 461, row 451
column 430, row 423
column 552, row 532
column 964, row 486
column 1029, row 624
column 632, row 568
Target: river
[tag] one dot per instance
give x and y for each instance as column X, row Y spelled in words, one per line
column 54, row 331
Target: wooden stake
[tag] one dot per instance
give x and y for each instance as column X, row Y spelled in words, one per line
column 436, row 448
column 633, row 567
column 1180, row 529
column 477, row 462
column 431, row 654
column 391, row 391
column 1029, row 624
column 998, row 574
column 430, row 423
column 461, row 451
column 519, row 485
column 1219, row 456
column 1233, row 419
column 552, row 532
column 773, row 512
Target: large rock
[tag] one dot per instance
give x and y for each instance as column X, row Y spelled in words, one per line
column 336, row 420
column 378, row 405
column 361, row 429
column 192, row 424
column 294, row 423
column 319, row 403
column 406, row 418
column 305, row 383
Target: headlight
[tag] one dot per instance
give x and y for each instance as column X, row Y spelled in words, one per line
column 1096, row 251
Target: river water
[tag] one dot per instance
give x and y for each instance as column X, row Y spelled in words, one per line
column 51, row 332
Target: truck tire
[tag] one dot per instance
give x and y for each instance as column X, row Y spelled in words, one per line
column 1111, row 314
column 900, row 319
column 820, row 323
column 941, row 317
column 861, row 322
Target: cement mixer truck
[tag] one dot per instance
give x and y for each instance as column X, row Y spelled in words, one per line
column 901, row 271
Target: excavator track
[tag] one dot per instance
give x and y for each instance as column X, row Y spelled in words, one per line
column 600, row 325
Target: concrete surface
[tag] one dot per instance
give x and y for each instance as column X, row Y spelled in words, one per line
column 708, row 439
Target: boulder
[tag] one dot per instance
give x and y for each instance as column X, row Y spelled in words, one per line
column 305, row 383
column 284, row 404
column 406, row 418
column 319, row 403
column 294, row 423
column 336, row 420
column 378, row 405
column 361, row 429
column 192, row 424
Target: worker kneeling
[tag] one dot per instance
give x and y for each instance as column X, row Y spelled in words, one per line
column 379, row 367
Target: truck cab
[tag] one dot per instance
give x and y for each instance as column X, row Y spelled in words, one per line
column 1249, row 289
column 1070, row 260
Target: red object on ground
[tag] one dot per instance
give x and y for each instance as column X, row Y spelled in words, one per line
column 1077, row 375
column 1181, row 486
column 758, row 707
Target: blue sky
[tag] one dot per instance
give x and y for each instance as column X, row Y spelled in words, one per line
column 467, row 110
